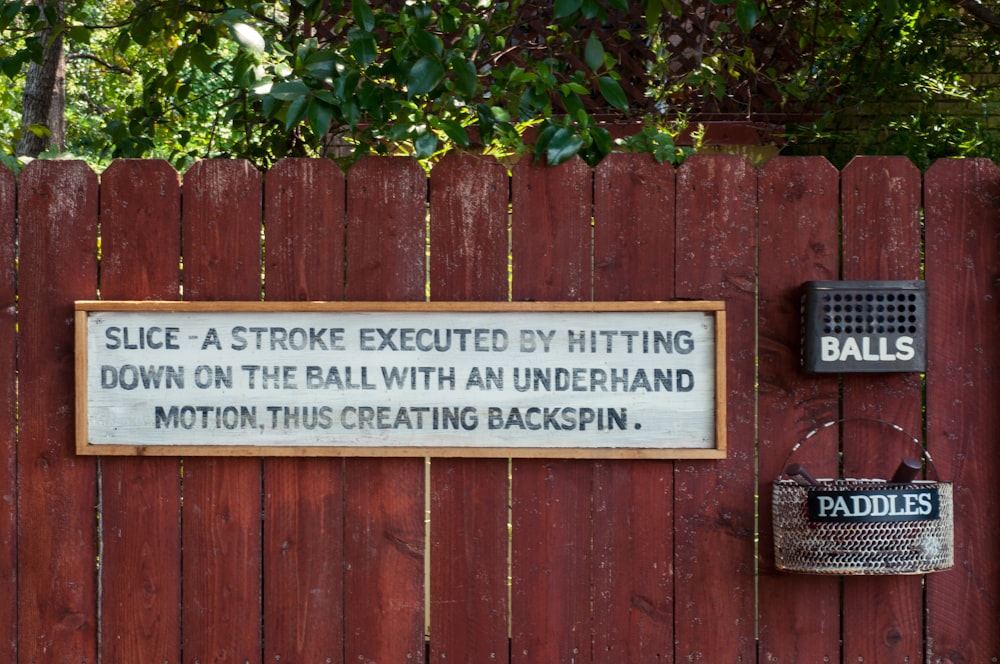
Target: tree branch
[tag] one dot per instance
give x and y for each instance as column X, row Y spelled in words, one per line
column 979, row 11
column 103, row 63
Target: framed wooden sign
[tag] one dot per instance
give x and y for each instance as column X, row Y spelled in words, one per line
column 588, row 380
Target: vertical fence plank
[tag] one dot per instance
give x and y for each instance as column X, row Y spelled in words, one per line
column 57, row 556
column 304, row 498
column 962, row 199
column 883, row 618
column 384, row 498
column 221, row 514
column 633, row 500
column 798, row 198
column 140, row 259
column 714, row 500
column 468, row 543
column 8, row 421
column 469, row 197
column 551, row 512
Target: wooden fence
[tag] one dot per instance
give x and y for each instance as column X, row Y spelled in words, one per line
column 121, row 560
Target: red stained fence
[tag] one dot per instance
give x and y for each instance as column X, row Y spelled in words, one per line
column 604, row 562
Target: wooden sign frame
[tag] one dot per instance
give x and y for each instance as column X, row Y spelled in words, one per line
column 581, row 379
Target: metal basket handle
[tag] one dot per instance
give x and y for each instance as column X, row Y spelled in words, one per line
column 923, row 452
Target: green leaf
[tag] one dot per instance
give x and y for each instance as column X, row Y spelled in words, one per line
column 465, row 76
column 322, row 64
column 363, row 46
column 572, row 101
column 558, row 144
column 201, row 57
column 654, row 9
column 289, row 90
column 564, row 8
column 320, row 116
column 427, row 42
column 889, row 8
column 79, row 34
column 345, row 85
column 363, row 15
column 455, row 132
column 296, row 112
column 231, row 16
column 425, row 75
column 8, row 12
column 11, row 66
column 269, row 107
column 591, row 9
column 247, row 37
column 602, row 140
column 747, row 14
column 613, row 93
column 351, row 113
column 532, row 103
column 313, row 8
column 41, row 131
column 425, row 145
column 593, row 52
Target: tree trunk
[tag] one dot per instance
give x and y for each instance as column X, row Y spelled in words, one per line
column 39, row 126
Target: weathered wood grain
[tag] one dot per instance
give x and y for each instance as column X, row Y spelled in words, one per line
column 713, row 500
column 633, row 500
column 8, row 416
column 469, row 608
column 798, row 241
column 221, row 520
column 962, row 212
column 551, row 510
column 881, row 240
column 141, row 546
column 304, row 218
column 384, row 536
column 57, row 492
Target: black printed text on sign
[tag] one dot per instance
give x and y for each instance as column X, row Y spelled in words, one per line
column 539, row 379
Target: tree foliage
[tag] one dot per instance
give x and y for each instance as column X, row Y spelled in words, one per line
column 269, row 79
column 262, row 80
column 917, row 78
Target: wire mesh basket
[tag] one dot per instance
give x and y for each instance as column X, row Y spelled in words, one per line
column 863, row 526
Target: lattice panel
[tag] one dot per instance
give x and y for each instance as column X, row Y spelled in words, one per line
column 702, row 30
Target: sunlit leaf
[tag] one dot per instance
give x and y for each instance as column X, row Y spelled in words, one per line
column 425, row 145
column 247, row 37
column 289, row 90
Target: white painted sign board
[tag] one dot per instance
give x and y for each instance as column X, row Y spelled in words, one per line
column 378, row 379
